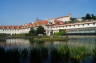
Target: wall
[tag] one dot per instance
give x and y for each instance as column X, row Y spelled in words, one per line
column 75, row 26
column 64, row 19
column 14, row 31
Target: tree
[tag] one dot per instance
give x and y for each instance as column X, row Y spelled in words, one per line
column 32, row 32
column 93, row 17
column 40, row 30
column 60, row 33
column 88, row 16
column 73, row 20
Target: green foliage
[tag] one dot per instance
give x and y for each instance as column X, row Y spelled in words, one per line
column 78, row 53
column 89, row 17
column 60, row 33
column 18, row 35
column 73, row 20
column 93, row 17
column 57, row 33
column 40, row 30
column 66, row 53
column 32, row 32
column 63, row 49
column 35, row 32
column 3, row 35
column 54, row 39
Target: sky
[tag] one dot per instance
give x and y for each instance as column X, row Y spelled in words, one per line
column 18, row 12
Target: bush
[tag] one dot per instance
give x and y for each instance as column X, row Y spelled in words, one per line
column 60, row 33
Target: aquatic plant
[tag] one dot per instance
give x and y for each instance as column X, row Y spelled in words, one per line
column 38, row 55
column 12, row 56
column 41, row 54
column 94, row 55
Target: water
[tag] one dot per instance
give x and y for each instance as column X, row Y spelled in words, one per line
column 75, row 50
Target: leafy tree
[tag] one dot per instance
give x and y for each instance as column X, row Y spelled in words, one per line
column 60, row 33
column 40, row 30
column 93, row 17
column 83, row 18
column 88, row 16
column 73, row 20
column 32, row 32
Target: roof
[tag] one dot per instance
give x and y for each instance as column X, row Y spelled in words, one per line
column 58, row 22
column 62, row 17
column 11, row 27
column 63, row 24
column 40, row 23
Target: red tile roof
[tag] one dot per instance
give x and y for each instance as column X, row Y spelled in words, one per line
column 58, row 22
column 40, row 23
column 11, row 27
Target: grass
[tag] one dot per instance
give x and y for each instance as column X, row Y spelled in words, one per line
column 47, row 38
column 38, row 54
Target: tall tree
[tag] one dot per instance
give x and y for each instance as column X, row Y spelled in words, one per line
column 88, row 16
column 93, row 17
column 32, row 32
column 40, row 30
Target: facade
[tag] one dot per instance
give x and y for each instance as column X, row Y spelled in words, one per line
column 53, row 25
column 22, row 29
column 63, row 19
column 83, row 27
column 14, row 29
column 79, row 19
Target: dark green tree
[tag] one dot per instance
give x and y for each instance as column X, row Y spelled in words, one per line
column 93, row 17
column 40, row 30
column 60, row 33
column 32, row 32
column 88, row 16
column 83, row 18
column 73, row 20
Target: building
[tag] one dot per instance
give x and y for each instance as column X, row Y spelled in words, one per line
column 14, row 29
column 53, row 25
column 72, row 28
column 22, row 29
column 40, row 23
column 63, row 19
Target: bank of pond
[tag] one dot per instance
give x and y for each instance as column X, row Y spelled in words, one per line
column 41, row 54
column 39, row 38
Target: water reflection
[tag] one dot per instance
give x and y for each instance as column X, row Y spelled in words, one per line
column 19, row 43
column 76, row 42
column 83, row 42
column 77, row 50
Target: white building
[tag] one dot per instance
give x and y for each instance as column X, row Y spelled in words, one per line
column 63, row 19
column 13, row 30
column 83, row 27
column 52, row 25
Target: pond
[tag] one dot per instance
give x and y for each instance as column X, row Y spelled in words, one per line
column 75, row 50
